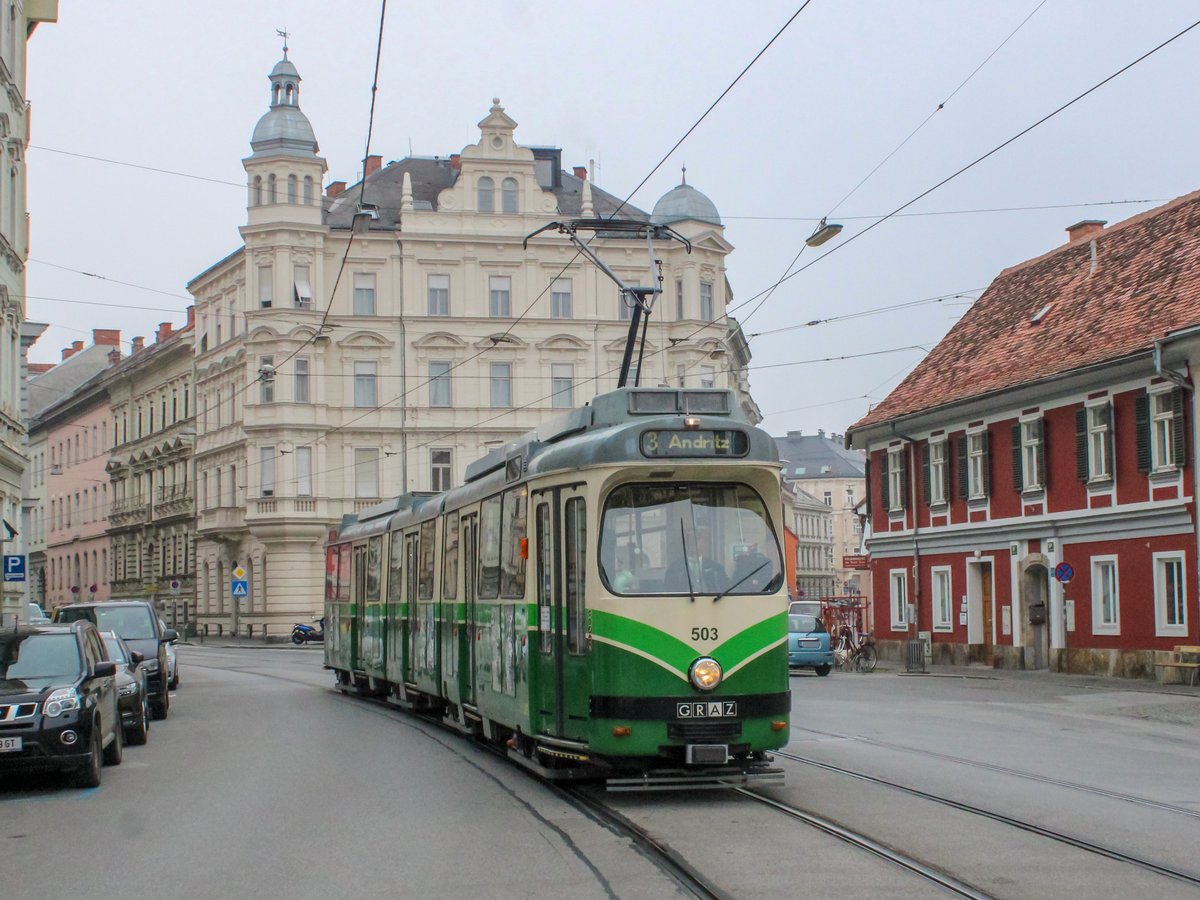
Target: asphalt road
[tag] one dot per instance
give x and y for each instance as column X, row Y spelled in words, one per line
column 266, row 783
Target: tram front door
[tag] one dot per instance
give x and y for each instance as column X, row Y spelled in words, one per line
column 563, row 684
column 468, row 635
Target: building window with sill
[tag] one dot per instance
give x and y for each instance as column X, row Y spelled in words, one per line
column 895, row 484
column 943, row 601
column 898, row 597
column 934, row 463
column 364, row 384
column 508, row 196
column 266, row 458
column 1029, row 456
column 366, row 472
column 439, row 470
column 300, row 380
column 499, row 296
column 266, row 383
column 303, row 289
column 1106, row 606
column 1161, row 445
column 974, row 468
column 364, row 293
column 560, row 299
column 266, row 289
column 438, row 290
column 304, row 486
column 1093, row 443
column 487, row 190
column 1170, row 595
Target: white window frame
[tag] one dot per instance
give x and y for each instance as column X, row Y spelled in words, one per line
column 441, row 389
column 938, row 450
column 266, row 385
column 266, row 287
column 304, row 484
column 1162, row 627
column 1099, row 565
column 707, row 295
column 301, row 276
column 1162, row 432
column 437, row 291
column 561, row 299
column 366, row 374
column 976, row 454
column 895, row 476
column 1099, row 417
column 562, row 385
column 440, row 469
column 364, row 293
column 500, row 296
column 366, row 472
column 500, row 377
column 301, row 382
column 1031, row 442
column 941, row 583
column 898, row 598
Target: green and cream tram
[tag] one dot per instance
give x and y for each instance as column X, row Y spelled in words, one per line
column 605, row 597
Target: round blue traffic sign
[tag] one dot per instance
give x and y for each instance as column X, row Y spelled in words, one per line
column 1064, row 572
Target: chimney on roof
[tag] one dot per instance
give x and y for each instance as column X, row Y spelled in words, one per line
column 335, row 189
column 76, row 346
column 821, row 432
column 374, row 162
column 139, row 344
column 456, row 162
column 106, row 337
column 795, row 434
column 191, row 316
column 39, row 368
column 1085, row 229
column 164, row 332
column 114, row 356
column 67, row 353
column 581, row 173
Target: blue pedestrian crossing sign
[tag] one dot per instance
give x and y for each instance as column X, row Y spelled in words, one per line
column 14, row 567
column 241, row 588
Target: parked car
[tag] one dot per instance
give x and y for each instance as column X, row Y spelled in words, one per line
column 37, row 616
column 58, row 702
column 805, row 607
column 808, row 644
column 133, row 700
column 138, row 623
column 172, row 663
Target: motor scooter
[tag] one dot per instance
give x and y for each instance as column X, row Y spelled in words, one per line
column 306, row 634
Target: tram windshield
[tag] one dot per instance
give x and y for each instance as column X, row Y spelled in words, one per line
column 688, row 538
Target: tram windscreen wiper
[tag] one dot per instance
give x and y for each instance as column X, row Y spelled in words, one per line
column 746, row 577
column 687, row 568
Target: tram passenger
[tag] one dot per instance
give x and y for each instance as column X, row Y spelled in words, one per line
column 707, row 573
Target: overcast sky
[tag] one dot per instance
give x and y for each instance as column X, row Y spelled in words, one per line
column 179, row 86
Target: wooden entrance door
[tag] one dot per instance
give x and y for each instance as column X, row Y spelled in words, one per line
column 985, row 590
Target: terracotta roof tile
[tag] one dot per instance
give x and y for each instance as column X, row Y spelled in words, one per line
column 1145, row 282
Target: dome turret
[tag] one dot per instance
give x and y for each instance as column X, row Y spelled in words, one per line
column 284, row 129
column 684, row 202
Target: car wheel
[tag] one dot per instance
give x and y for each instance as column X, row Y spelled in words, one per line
column 141, row 732
column 115, row 750
column 823, row 670
column 88, row 775
column 174, row 681
column 162, row 705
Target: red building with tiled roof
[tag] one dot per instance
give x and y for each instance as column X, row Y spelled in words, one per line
column 1050, row 433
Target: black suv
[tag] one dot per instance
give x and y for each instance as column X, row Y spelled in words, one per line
column 138, row 623
column 58, row 702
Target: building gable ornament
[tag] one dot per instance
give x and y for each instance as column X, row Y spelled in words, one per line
column 364, row 339
column 562, row 342
column 440, row 340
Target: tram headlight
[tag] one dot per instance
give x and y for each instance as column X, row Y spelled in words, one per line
column 705, row 673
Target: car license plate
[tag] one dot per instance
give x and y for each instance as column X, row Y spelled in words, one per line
column 10, row 744
column 810, row 642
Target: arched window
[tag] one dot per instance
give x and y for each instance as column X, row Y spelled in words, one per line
column 256, row 191
column 272, row 197
column 487, row 190
column 275, row 95
column 292, row 184
column 308, row 189
column 508, row 195
column 290, row 92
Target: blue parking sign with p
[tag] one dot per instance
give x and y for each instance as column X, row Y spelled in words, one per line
column 14, row 567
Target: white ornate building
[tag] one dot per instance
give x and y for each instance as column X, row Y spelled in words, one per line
column 373, row 340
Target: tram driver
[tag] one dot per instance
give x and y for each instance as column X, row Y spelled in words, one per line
column 706, row 573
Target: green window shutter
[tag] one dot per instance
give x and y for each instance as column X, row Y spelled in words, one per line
column 867, row 479
column 1018, row 481
column 964, row 479
column 926, row 481
column 1081, row 444
column 885, row 481
column 1178, row 429
column 1141, row 419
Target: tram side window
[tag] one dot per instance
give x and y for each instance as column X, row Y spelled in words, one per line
column 331, row 574
column 374, row 562
column 545, row 586
column 489, row 549
column 575, row 560
column 513, row 543
column 396, row 568
column 425, row 582
column 343, row 588
column 450, row 558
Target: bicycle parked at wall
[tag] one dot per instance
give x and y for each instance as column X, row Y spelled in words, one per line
column 855, row 651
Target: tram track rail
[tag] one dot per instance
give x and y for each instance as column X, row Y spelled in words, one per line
column 1016, row 773
column 1190, row 878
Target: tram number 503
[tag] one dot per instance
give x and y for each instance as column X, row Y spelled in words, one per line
column 704, row 634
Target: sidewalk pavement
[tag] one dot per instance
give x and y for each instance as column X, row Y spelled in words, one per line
column 1047, row 676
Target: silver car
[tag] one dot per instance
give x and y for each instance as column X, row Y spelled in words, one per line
column 172, row 666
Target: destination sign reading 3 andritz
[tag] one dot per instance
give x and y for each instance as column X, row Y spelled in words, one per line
column 694, row 443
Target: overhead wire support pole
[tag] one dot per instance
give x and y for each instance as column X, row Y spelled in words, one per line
column 634, row 295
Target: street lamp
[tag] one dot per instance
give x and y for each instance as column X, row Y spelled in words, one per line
column 825, row 231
